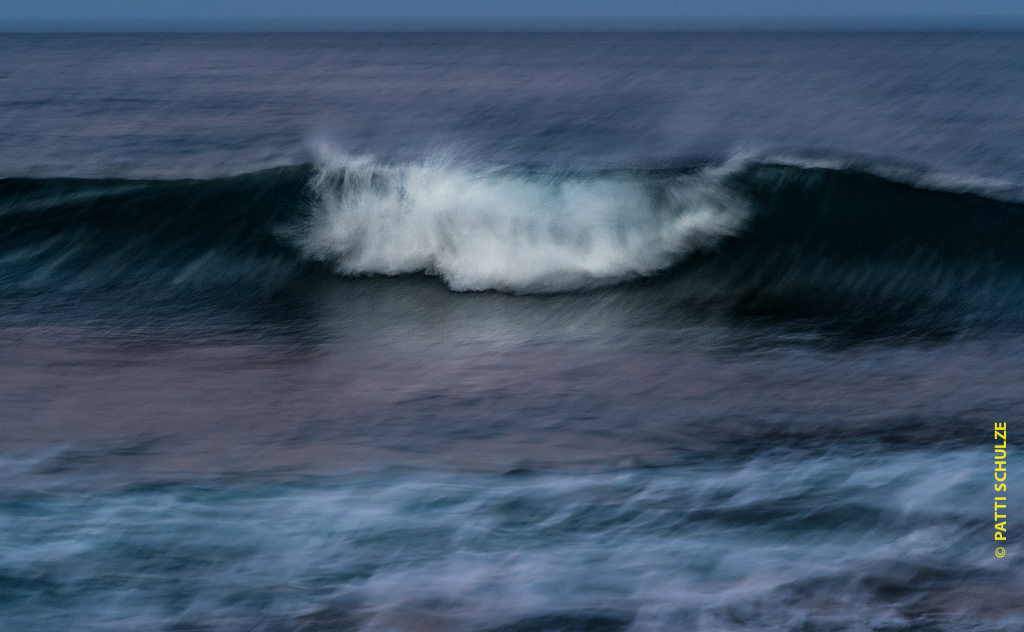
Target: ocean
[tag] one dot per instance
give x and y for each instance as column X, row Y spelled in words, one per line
column 510, row 332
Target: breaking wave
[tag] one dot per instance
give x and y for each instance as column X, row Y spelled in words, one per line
column 517, row 232
column 763, row 239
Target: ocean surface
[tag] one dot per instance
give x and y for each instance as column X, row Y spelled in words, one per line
column 510, row 332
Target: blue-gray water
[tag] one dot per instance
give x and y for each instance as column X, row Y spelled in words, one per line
column 515, row 333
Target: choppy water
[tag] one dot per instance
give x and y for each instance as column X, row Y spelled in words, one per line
column 509, row 332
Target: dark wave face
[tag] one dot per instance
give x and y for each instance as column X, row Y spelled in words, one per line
column 746, row 241
column 67, row 235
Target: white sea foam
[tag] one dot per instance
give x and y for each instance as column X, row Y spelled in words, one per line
column 518, row 232
column 833, row 542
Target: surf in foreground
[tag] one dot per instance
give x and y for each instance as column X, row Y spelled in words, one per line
column 879, row 542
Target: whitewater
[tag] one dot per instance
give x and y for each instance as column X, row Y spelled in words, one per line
column 482, row 231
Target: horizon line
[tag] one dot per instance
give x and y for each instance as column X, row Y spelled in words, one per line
column 567, row 25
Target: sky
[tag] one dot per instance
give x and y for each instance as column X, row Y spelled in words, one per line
column 16, row 14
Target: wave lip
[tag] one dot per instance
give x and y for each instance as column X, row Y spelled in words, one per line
column 508, row 231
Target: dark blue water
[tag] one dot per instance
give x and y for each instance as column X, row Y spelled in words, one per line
column 509, row 332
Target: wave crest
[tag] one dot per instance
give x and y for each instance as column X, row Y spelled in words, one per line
column 513, row 231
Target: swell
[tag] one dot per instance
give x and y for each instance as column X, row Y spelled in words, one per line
column 756, row 240
column 79, row 235
column 850, row 248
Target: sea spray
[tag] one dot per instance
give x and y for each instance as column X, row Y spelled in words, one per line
column 519, row 232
